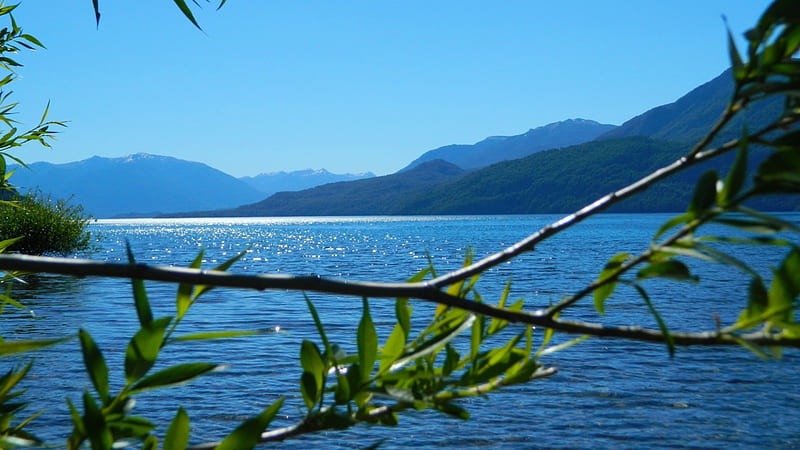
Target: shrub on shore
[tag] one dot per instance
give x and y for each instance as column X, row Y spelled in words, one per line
column 47, row 226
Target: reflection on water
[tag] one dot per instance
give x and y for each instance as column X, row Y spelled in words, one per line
column 607, row 393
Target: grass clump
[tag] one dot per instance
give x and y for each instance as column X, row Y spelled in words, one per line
column 47, row 226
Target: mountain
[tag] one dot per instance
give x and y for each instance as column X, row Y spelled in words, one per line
column 270, row 183
column 553, row 181
column 501, row 148
column 137, row 185
column 563, row 180
column 689, row 118
column 550, row 181
column 371, row 196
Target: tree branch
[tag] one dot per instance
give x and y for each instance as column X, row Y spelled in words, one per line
column 421, row 291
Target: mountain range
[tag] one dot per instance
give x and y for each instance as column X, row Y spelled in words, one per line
column 556, row 180
column 145, row 185
column 136, row 185
column 503, row 148
column 272, row 182
column 554, row 168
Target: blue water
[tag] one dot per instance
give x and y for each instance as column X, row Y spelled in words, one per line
column 607, row 393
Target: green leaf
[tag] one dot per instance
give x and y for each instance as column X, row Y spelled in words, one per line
column 203, row 289
column 724, row 258
column 342, row 393
column 174, row 376
column 11, row 347
column 177, row 437
column 320, row 327
column 733, row 52
column 95, row 365
column 127, row 427
column 143, row 349
column 95, row 422
column 309, row 390
column 313, row 364
column 150, row 443
column 452, row 409
column 187, row 12
column 774, row 222
column 32, row 40
column 521, row 372
column 496, row 325
column 10, row 380
column 737, row 175
column 9, row 242
column 779, row 172
column 671, row 268
column 785, row 287
column 661, row 324
column 140, row 295
column 6, row 300
column 393, row 348
column 248, row 434
column 403, row 313
column 96, row 7
column 183, row 300
column 704, row 194
column 437, row 342
column 544, row 351
column 367, row 340
column 451, row 360
column 675, row 221
column 476, row 337
column 79, row 429
column 756, row 304
column 209, row 335
column 750, row 226
column 603, row 292
column 756, row 350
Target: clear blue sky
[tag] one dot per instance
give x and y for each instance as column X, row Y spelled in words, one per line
column 353, row 86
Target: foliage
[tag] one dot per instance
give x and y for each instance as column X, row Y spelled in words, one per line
column 13, row 39
column 106, row 418
column 466, row 349
column 45, row 226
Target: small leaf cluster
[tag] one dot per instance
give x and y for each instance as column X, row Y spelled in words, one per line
column 771, row 69
column 106, row 420
column 11, row 404
column 445, row 361
column 12, row 40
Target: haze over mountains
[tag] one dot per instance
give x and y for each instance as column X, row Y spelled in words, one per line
column 272, row 182
column 553, row 168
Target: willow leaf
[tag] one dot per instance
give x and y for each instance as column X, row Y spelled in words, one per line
column 174, row 376
column 95, row 365
column 367, row 340
column 177, row 437
column 248, row 434
column 661, row 324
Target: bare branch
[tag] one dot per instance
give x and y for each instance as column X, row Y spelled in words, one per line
column 421, row 291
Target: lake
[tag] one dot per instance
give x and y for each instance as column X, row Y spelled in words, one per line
column 607, row 393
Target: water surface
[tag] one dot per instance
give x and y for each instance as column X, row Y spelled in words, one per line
column 606, row 393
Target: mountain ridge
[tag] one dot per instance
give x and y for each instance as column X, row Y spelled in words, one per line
column 371, row 196
column 494, row 149
column 270, row 183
